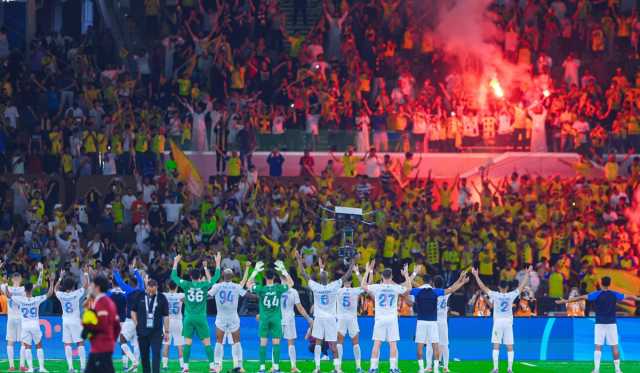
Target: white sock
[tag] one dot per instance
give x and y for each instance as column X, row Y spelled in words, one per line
column 29, row 358
column 357, row 355
column 374, row 363
column 236, row 352
column 218, row 354
column 126, row 350
column 68, row 354
column 292, row 355
column 83, row 356
column 421, row 365
column 436, row 366
column 510, row 355
column 22, row 354
column 336, row 364
column 262, row 366
column 165, row 361
column 496, row 358
column 393, row 363
column 317, row 351
column 445, row 355
column 340, row 350
column 181, row 361
column 10, row 354
column 429, row 356
column 597, row 355
column 616, row 364
column 136, row 351
column 125, row 360
column 40, row 354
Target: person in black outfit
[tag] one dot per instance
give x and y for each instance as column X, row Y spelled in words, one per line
column 150, row 313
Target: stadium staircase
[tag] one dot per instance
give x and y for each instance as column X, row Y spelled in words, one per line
column 314, row 13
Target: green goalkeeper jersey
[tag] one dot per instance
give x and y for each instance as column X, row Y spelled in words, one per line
column 195, row 293
column 269, row 298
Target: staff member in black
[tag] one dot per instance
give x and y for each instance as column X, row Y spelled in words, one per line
column 150, row 313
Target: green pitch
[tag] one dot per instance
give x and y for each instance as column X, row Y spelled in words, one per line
column 59, row 366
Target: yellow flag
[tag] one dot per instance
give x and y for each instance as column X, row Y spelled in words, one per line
column 187, row 172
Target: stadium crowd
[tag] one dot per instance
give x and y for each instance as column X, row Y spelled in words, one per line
column 223, row 73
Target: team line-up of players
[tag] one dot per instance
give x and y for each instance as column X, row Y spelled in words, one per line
column 335, row 305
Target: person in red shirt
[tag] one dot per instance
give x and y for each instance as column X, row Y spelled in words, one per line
column 138, row 209
column 102, row 326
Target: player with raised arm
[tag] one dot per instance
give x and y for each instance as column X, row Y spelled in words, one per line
column 428, row 303
column 502, row 301
column 29, row 308
column 195, row 311
column 443, row 330
column 270, row 312
column 288, row 301
column 606, row 328
column 325, row 323
column 348, row 298
column 70, row 298
column 385, row 327
column 14, row 322
column 227, row 294
column 128, row 332
column 175, row 301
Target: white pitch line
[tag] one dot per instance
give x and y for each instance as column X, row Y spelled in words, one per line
column 528, row 364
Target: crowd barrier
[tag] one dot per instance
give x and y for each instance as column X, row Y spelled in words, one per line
column 540, row 338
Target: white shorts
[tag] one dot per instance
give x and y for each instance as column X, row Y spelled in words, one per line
column 427, row 332
column 228, row 325
column 348, row 326
column 325, row 328
column 502, row 332
column 606, row 334
column 71, row 331
column 443, row 332
column 386, row 330
column 128, row 330
column 31, row 335
column 14, row 329
column 175, row 333
column 289, row 329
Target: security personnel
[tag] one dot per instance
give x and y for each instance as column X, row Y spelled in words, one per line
column 150, row 313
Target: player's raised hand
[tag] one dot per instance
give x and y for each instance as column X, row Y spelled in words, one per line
column 218, row 259
column 320, row 264
column 247, row 264
column 176, row 260
column 474, row 271
column 204, row 263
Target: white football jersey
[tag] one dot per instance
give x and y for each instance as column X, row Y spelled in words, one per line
column 386, row 299
column 227, row 295
column 29, row 309
column 175, row 304
column 348, row 301
column 443, row 307
column 14, row 311
column 70, row 302
column 324, row 298
column 288, row 301
column 503, row 304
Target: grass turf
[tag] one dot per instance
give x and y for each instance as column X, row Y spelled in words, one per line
column 60, row 366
